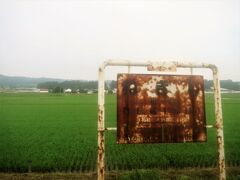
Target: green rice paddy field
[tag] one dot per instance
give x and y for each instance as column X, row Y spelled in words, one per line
column 58, row 132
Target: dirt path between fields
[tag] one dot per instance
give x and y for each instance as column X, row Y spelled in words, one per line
column 188, row 173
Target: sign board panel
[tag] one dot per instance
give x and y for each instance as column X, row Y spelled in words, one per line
column 160, row 109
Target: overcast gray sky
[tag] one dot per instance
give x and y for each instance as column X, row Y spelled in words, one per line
column 70, row 39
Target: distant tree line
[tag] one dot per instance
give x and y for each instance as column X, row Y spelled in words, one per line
column 226, row 84
column 58, row 85
column 83, row 86
column 75, row 86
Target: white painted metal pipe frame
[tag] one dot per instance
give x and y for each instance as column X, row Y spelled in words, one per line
column 160, row 66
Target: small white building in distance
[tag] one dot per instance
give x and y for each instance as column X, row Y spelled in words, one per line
column 43, row 90
column 68, row 90
column 89, row 92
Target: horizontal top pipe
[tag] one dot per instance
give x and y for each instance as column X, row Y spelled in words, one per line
column 160, row 63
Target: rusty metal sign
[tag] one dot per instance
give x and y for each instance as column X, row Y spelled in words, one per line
column 160, row 109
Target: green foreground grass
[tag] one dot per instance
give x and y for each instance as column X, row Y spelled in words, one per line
column 58, row 133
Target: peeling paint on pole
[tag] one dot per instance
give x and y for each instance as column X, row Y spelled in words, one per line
column 219, row 123
column 100, row 160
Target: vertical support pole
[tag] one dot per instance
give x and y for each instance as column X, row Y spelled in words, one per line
column 191, row 70
column 219, row 123
column 100, row 160
column 129, row 69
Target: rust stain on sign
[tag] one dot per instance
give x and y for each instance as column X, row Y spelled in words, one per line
column 160, row 109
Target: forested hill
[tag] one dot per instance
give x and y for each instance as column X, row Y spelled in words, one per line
column 23, row 82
